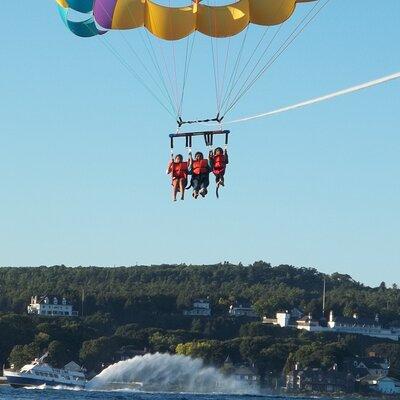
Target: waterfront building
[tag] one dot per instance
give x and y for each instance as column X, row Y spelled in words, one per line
column 361, row 367
column 201, row 307
column 318, row 380
column 387, row 385
column 381, row 384
column 242, row 373
column 362, row 326
column 246, row 374
column 50, row 305
column 354, row 325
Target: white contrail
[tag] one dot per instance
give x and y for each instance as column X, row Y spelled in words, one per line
column 319, row 99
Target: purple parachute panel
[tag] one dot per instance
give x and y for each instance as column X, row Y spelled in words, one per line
column 103, row 12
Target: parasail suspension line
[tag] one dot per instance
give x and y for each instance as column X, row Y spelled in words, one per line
column 130, row 69
column 133, row 72
column 229, row 93
column 233, row 75
column 291, row 38
column 188, row 58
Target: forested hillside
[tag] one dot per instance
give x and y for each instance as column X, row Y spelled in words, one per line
column 141, row 307
column 132, row 292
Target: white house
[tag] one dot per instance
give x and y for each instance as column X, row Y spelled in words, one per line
column 201, row 307
column 310, row 324
column 285, row 319
column 51, row 306
column 242, row 311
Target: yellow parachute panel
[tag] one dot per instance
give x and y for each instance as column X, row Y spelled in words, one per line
column 169, row 23
column 129, row 14
column 223, row 21
column 173, row 23
column 271, row 12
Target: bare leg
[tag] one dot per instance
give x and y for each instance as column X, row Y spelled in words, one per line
column 182, row 185
column 174, row 189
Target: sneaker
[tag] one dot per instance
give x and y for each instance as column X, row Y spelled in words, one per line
column 203, row 192
column 195, row 194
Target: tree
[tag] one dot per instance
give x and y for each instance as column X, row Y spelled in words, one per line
column 58, row 355
column 14, row 329
column 211, row 351
column 23, row 354
column 98, row 352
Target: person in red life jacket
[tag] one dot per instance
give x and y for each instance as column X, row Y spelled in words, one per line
column 179, row 171
column 219, row 161
column 200, row 170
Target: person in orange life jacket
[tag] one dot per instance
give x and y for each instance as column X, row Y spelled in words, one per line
column 219, row 161
column 179, row 171
column 200, row 169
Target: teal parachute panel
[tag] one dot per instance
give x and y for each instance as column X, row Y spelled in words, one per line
column 83, row 6
column 85, row 28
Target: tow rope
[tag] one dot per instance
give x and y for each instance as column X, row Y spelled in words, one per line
column 342, row 92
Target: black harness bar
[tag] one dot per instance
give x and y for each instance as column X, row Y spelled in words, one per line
column 199, row 133
column 208, row 137
column 181, row 122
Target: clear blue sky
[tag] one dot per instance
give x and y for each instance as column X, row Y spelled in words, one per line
column 84, row 148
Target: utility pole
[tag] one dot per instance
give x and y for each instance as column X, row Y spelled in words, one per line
column 323, row 298
column 83, row 299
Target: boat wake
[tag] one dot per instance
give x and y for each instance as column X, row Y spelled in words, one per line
column 167, row 373
column 57, row 387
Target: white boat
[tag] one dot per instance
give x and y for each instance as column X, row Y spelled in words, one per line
column 40, row 373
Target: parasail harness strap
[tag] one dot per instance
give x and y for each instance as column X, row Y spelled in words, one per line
column 207, row 135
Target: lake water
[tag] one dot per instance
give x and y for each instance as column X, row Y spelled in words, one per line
column 8, row 393
column 150, row 377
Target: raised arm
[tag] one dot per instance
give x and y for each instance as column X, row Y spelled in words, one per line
column 169, row 167
column 210, row 160
column 190, row 163
column 210, row 164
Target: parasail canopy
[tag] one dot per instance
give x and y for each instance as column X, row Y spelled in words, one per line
column 174, row 23
column 233, row 77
